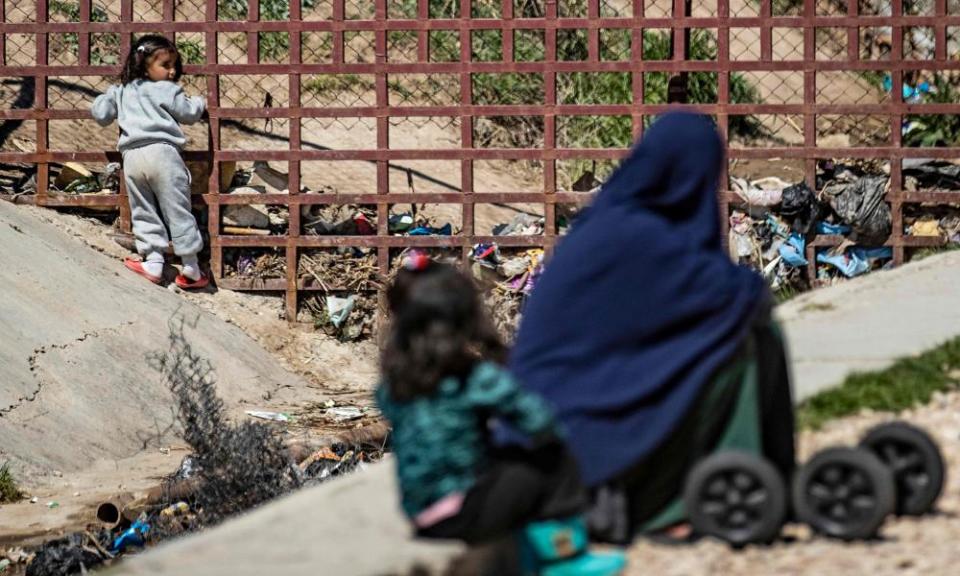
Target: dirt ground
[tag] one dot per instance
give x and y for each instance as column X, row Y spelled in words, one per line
column 907, row 546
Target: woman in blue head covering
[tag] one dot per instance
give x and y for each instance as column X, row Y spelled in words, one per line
column 640, row 315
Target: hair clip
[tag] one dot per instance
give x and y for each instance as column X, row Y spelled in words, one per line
column 142, row 49
column 416, row 261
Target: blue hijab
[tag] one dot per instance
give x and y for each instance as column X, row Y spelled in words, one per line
column 640, row 305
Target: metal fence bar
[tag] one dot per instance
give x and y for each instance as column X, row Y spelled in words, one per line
column 366, row 48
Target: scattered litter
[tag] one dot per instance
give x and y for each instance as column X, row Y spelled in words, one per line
column 933, row 175
column 34, row 500
column 272, row 416
column 855, row 261
column 175, row 509
column 344, row 413
column 346, row 317
column 486, row 255
column 521, row 225
column 400, row 223
column 353, row 269
column 423, row 230
column 73, row 554
column 800, row 208
column 411, row 224
column 4, row 564
column 338, row 220
column 832, row 229
column 53, row 504
column 926, row 228
column 254, row 264
column 860, row 203
column 793, row 251
column 764, row 192
column 133, row 536
column 338, row 460
column 338, row 309
column 188, row 467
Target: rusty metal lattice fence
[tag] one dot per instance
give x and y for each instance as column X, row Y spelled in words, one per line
column 474, row 105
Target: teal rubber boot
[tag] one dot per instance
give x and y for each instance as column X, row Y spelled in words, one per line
column 560, row 548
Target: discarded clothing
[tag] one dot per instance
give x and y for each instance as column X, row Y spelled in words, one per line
column 793, row 251
column 133, row 536
column 765, row 192
column 521, row 225
column 741, row 241
column 861, row 204
column 445, row 230
column 640, row 305
column 400, row 223
column 487, row 255
column 911, row 94
column 855, row 261
column 832, row 229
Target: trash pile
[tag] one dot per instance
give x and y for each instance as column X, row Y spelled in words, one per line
column 254, row 219
column 523, row 224
column 415, row 223
column 67, row 178
column 772, row 230
column 922, row 220
column 338, row 220
column 254, row 263
column 930, row 175
column 508, row 280
column 353, row 269
column 347, row 317
column 233, row 467
column 74, row 178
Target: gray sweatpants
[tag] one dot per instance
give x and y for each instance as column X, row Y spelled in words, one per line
column 158, row 186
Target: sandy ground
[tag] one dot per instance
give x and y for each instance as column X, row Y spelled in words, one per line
column 907, row 546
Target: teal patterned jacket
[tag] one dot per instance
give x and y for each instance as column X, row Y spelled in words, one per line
column 441, row 441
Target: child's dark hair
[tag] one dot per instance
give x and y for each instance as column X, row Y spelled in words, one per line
column 438, row 329
column 140, row 53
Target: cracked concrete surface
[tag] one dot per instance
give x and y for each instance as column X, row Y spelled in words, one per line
column 76, row 330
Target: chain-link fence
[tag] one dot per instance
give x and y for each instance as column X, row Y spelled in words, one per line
column 379, row 125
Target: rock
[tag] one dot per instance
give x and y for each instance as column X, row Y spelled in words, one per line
column 71, row 171
column 246, row 215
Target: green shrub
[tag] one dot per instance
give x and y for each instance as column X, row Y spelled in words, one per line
column 9, row 491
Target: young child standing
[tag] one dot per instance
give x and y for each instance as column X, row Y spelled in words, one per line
column 442, row 387
column 149, row 105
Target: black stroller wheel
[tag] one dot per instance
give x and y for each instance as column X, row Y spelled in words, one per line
column 844, row 493
column 736, row 497
column 915, row 460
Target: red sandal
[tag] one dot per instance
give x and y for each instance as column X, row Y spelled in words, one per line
column 137, row 266
column 187, row 284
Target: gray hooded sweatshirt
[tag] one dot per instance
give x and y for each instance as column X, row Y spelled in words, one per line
column 148, row 112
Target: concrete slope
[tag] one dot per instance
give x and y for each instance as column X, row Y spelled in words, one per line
column 869, row 322
column 75, row 331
